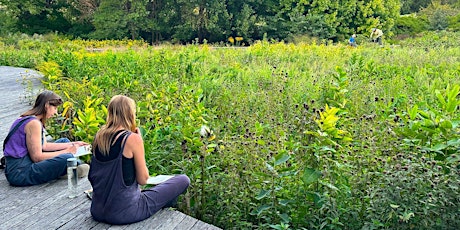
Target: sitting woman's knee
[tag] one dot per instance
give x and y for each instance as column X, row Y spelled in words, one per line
column 184, row 179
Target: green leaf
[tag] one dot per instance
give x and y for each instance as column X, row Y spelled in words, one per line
column 424, row 114
column 439, row 147
column 288, row 171
column 453, row 158
column 284, row 202
column 277, row 227
column 263, row 193
column 316, row 198
column 413, row 112
column 269, row 167
column 453, row 142
column 394, row 206
column 211, row 167
column 281, row 158
column 262, row 208
column 329, row 185
column 310, row 175
column 327, row 148
column 261, row 142
column 445, row 124
column 441, row 99
column 284, row 217
column 428, row 123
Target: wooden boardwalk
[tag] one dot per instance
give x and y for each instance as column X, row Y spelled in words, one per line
column 47, row 206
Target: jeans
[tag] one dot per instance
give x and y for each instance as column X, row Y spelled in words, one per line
column 24, row 172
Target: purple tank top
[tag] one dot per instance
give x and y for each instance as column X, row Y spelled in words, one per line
column 16, row 146
column 113, row 202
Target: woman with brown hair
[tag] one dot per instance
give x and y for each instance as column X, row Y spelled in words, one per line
column 30, row 158
column 118, row 167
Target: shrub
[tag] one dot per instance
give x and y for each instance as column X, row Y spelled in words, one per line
column 410, row 24
column 454, row 23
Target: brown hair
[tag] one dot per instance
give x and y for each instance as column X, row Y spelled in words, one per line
column 39, row 108
column 121, row 113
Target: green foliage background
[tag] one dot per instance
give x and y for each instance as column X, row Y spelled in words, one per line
column 300, row 136
column 184, row 21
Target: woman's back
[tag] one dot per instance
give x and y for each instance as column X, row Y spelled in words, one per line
column 112, row 200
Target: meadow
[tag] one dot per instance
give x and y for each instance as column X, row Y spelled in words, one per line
column 277, row 135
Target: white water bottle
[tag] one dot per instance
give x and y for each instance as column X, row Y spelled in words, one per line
column 72, row 177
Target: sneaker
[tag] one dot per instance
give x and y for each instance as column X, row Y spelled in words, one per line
column 82, row 170
column 89, row 193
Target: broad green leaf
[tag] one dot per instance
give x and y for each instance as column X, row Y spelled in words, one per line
column 424, row 114
column 428, row 123
column 210, row 150
column 453, row 142
column 285, row 217
column 269, row 167
column 262, row 208
column 327, row 148
column 284, row 202
column 281, row 158
column 451, row 106
column 413, row 112
column 211, row 167
column 276, row 227
column 316, row 198
column 329, row 185
column 453, row 158
column 310, row 175
column 263, row 193
column 441, row 99
column 288, row 171
column 445, row 124
column 439, row 147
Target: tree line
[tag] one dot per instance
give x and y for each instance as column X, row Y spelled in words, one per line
column 185, row 21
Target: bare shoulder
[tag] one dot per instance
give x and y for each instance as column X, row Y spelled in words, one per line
column 134, row 139
column 33, row 124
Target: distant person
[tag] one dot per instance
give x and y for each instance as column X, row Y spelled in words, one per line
column 30, row 158
column 376, row 36
column 118, row 167
column 352, row 41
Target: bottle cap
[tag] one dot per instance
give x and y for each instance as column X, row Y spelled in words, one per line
column 71, row 162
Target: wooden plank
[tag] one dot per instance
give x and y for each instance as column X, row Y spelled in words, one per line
column 38, row 213
column 20, row 197
column 84, row 221
column 64, row 213
column 148, row 223
column 187, row 223
column 7, row 191
column 172, row 221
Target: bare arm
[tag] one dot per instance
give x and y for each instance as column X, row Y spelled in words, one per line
column 37, row 153
column 51, row 147
column 135, row 148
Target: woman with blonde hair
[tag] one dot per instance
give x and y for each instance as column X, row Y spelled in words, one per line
column 118, row 167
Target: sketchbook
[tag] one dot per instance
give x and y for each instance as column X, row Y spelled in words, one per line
column 83, row 150
column 158, row 179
